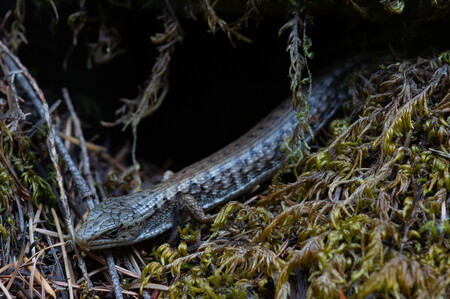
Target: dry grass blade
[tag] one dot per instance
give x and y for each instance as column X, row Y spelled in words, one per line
column 5, row 291
column 90, row 146
column 39, row 278
column 103, row 262
column 108, row 290
column 16, row 268
column 67, row 264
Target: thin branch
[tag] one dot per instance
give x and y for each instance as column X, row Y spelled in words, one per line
column 5, row 291
column 33, row 92
column 114, row 275
column 70, row 279
column 36, row 96
column 84, row 153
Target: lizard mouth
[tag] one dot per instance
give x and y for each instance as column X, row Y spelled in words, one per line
column 82, row 242
column 84, row 239
column 93, row 244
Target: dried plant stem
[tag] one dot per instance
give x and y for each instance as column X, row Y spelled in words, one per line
column 16, row 267
column 103, row 262
column 114, row 275
column 37, row 97
column 5, row 290
column 34, row 274
column 80, row 136
column 85, row 159
column 90, row 146
column 67, row 266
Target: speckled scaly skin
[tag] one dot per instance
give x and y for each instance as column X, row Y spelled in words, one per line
column 223, row 176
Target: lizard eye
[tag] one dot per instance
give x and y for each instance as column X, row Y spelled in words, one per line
column 113, row 233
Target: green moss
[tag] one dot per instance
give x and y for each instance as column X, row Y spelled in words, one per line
column 363, row 216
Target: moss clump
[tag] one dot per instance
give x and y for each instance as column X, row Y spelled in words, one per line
column 367, row 214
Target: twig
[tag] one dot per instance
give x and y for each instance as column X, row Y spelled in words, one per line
column 128, row 264
column 5, row 19
column 67, row 131
column 103, row 262
column 55, row 10
column 40, row 122
column 6, row 267
column 80, row 136
column 31, row 234
column 88, row 175
column 150, row 286
column 35, row 94
column 133, row 260
column 46, row 232
column 98, row 270
column 15, row 113
column 37, row 216
column 69, row 275
column 62, row 193
column 58, row 269
column 114, row 276
column 17, row 266
column 5, row 291
column 37, row 257
column 98, row 289
column 39, row 279
column 43, row 250
column 21, row 218
column 7, row 248
column 90, row 146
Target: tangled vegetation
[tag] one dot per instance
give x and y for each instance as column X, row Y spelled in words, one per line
column 365, row 215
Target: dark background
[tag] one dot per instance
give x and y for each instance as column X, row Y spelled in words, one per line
column 217, row 91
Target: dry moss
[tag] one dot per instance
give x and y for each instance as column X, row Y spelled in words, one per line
column 367, row 215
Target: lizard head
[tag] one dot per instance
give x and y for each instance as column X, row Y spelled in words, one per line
column 122, row 221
